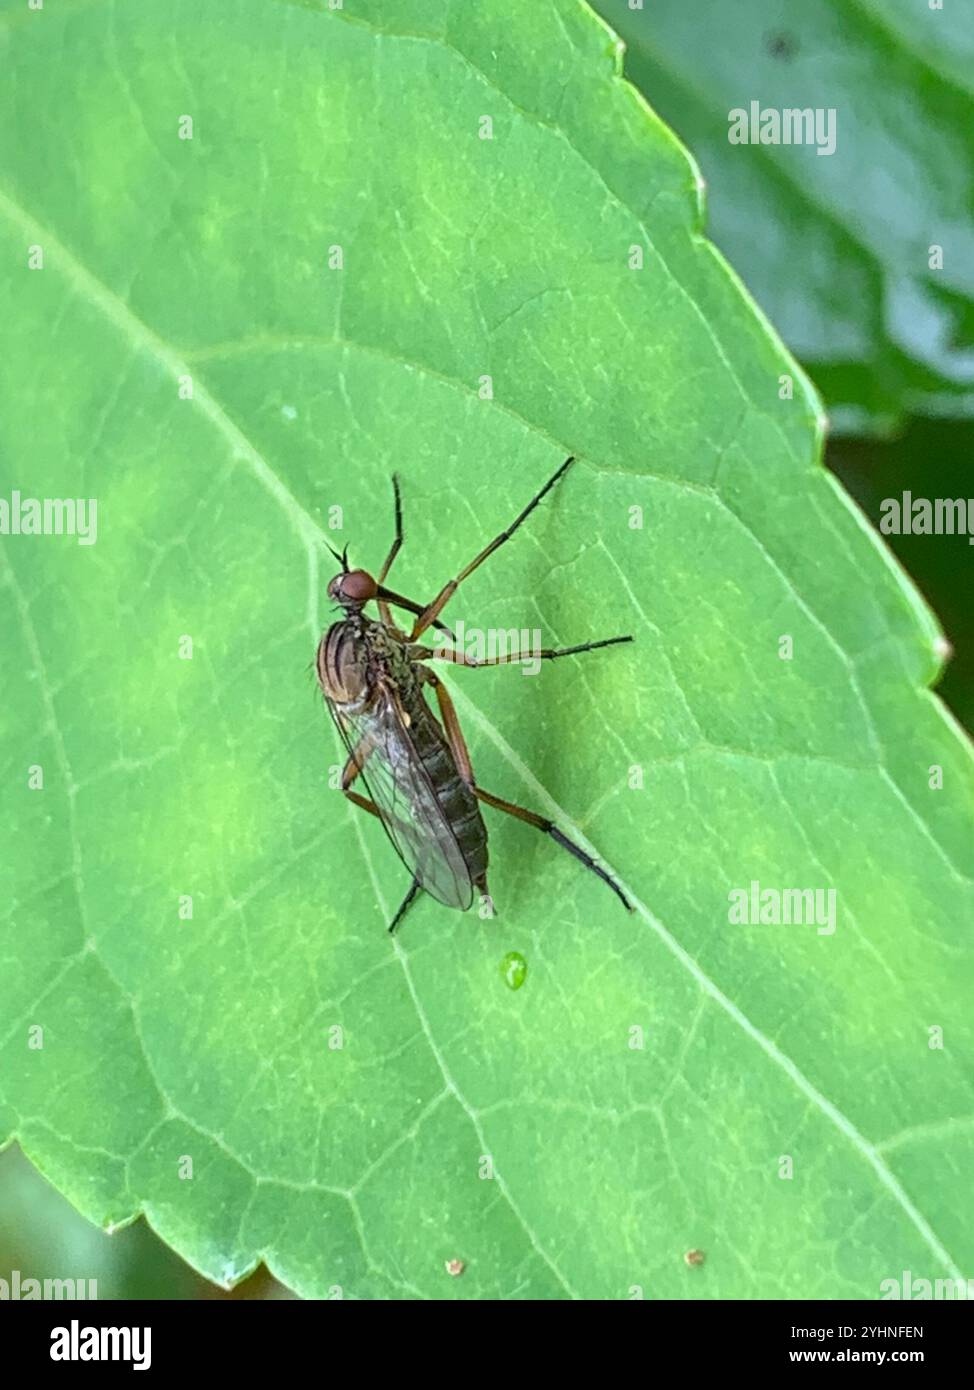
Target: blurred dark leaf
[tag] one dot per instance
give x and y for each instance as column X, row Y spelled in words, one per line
column 836, row 249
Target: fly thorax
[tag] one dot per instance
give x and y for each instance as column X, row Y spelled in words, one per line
column 343, row 664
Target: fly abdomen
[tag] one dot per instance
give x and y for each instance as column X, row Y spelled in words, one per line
column 459, row 804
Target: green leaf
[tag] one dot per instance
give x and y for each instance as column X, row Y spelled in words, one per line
column 694, row 762
column 836, row 249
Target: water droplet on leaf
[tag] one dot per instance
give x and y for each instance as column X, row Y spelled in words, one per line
column 514, row 969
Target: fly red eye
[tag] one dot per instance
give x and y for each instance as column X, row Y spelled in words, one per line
column 359, row 586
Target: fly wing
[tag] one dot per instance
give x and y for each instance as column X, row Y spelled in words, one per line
column 401, row 789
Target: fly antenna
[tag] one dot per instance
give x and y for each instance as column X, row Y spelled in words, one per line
column 342, row 558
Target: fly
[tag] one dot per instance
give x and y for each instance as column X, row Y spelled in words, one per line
column 413, row 765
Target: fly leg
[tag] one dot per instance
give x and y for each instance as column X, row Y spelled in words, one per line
column 549, row 828
column 386, row 596
column 397, row 542
column 352, row 769
column 405, row 905
column 458, row 747
column 510, row 658
column 394, row 549
column 451, row 726
column 432, row 611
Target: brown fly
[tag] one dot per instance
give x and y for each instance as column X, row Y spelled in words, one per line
column 414, row 766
